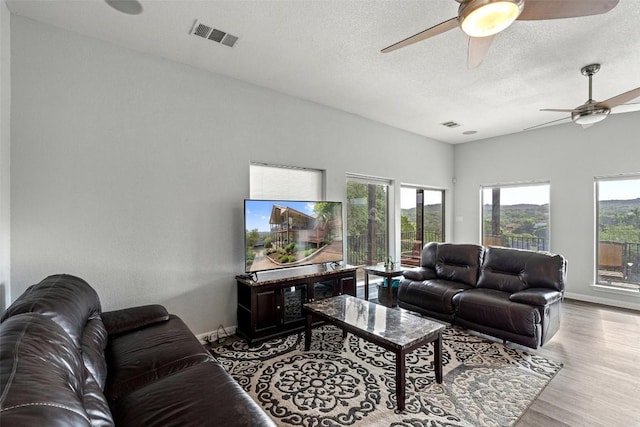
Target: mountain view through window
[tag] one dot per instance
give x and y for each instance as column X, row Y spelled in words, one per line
column 516, row 216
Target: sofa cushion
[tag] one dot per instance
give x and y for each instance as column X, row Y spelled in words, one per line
column 512, row 270
column 200, row 395
column 493, row 308
column 93, row 343
column 419, row 274
column 95, row 403
column 128, row 319
column 432, row 295
column 68, row 300
column 536, row 296
column 428, row 257
column 43, row 377
column 142, row 356
column 459, row 262
column 75, row 306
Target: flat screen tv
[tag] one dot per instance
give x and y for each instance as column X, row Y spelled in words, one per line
column 283, row 233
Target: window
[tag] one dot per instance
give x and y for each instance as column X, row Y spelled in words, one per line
column 516, row 216
column 285, row 183
column 367, row 221
column 618, row 232
column 421, row 221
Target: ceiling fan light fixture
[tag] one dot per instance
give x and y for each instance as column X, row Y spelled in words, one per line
column 483, row 18
column 130, row 7
column 591, row 116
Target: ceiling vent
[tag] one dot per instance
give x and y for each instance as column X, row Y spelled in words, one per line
column 208, row 32
column 450, row 124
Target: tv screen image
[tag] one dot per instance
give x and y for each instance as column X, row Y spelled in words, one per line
column 284, row 233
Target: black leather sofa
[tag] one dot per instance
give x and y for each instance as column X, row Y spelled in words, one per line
column 65, row 363
column 511, row 294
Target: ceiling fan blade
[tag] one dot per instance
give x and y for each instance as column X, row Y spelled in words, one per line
column 546, row 123
column 557, row 9
column 430, row 32
column 478, row 48
column 559, row 110
column 620, row 99
column 626, row 108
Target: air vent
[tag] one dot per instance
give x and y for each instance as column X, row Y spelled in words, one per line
column 229, row 40
column 216, row 35
column 210, row 33
column 450, row 124
column 202, row 30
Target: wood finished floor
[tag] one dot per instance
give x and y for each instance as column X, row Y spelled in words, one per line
column 599, row 384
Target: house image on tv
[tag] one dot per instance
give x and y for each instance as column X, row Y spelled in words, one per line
column 290, row 225
column 293, row 238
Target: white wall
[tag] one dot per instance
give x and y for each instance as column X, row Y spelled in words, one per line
column 569, row 157
column 5, row 156
column 130, row 171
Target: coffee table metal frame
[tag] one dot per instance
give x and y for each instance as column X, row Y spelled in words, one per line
column 400, row 347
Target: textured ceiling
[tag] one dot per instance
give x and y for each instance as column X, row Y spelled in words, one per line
column 329, row 52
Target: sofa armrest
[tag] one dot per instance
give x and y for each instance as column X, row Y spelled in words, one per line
column 419, row 274
column 536, row 296
column 128, row 319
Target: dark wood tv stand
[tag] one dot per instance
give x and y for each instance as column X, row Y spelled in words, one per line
column 272, row 305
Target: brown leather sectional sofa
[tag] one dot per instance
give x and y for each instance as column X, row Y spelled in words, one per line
column 64, row 362
column 511, row 294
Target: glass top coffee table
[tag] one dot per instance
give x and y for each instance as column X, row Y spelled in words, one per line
column 394, row 330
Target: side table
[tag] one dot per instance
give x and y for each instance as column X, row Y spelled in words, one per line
column 387, row 273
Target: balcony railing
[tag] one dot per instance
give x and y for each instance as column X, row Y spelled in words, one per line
column 408, row 238
column 358, row 252
column 517, row 242
column 623, row 266
column 358, row 249
column 358, row 246
column 629, row 266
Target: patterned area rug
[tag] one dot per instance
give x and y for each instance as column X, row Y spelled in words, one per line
column 352, row 382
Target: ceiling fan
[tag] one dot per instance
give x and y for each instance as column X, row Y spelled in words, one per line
column 593, row 111
column 483, row 19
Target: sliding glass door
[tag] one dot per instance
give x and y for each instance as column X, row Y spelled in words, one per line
column 367, row 221
column 421, row 221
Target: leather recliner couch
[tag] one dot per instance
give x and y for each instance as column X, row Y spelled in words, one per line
column 511, row 294
column 64, row 362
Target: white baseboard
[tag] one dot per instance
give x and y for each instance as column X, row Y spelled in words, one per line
column 212, row 335
column 603, row 301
